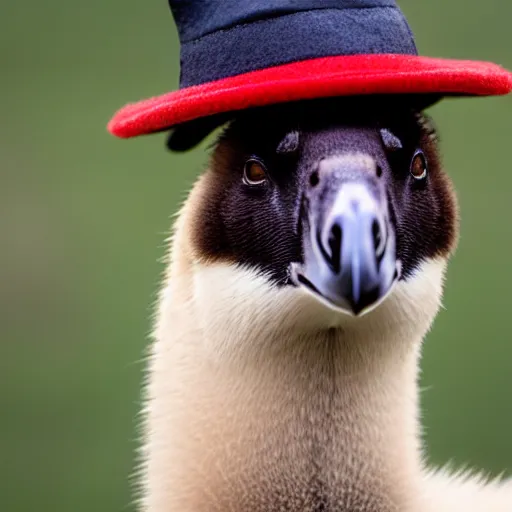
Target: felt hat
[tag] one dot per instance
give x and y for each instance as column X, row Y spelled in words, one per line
column 238, row 55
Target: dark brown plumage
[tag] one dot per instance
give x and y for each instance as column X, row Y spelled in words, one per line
column 258, row 226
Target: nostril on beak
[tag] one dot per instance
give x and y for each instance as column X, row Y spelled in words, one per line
column 335, row 241
column 314, row 179
column 332, row 248
column 377, row 237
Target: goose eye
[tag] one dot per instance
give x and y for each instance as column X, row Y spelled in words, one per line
column 419, row 166
column 254, row 172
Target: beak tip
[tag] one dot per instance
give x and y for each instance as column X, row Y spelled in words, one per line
column 358, row 309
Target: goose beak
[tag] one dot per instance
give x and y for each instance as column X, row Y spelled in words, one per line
column 349, row 246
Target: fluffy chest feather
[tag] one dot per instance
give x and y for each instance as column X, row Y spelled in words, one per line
column 248, row 416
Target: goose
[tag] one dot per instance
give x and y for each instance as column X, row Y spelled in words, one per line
column 305, row 268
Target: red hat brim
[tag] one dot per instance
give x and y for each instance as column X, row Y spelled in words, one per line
column 309, row 79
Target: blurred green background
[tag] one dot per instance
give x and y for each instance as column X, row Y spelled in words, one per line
column 83, row 221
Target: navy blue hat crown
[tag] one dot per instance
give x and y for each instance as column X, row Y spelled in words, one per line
column 222, row 38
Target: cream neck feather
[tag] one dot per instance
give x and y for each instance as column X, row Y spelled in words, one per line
column 262, row 399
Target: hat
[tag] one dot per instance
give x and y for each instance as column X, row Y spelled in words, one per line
column 238, row 54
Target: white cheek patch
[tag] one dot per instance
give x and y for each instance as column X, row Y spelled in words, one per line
column 239, row 305
column 242, row 308
column 419, row 297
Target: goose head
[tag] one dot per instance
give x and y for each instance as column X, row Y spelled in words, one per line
column 341, row 201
